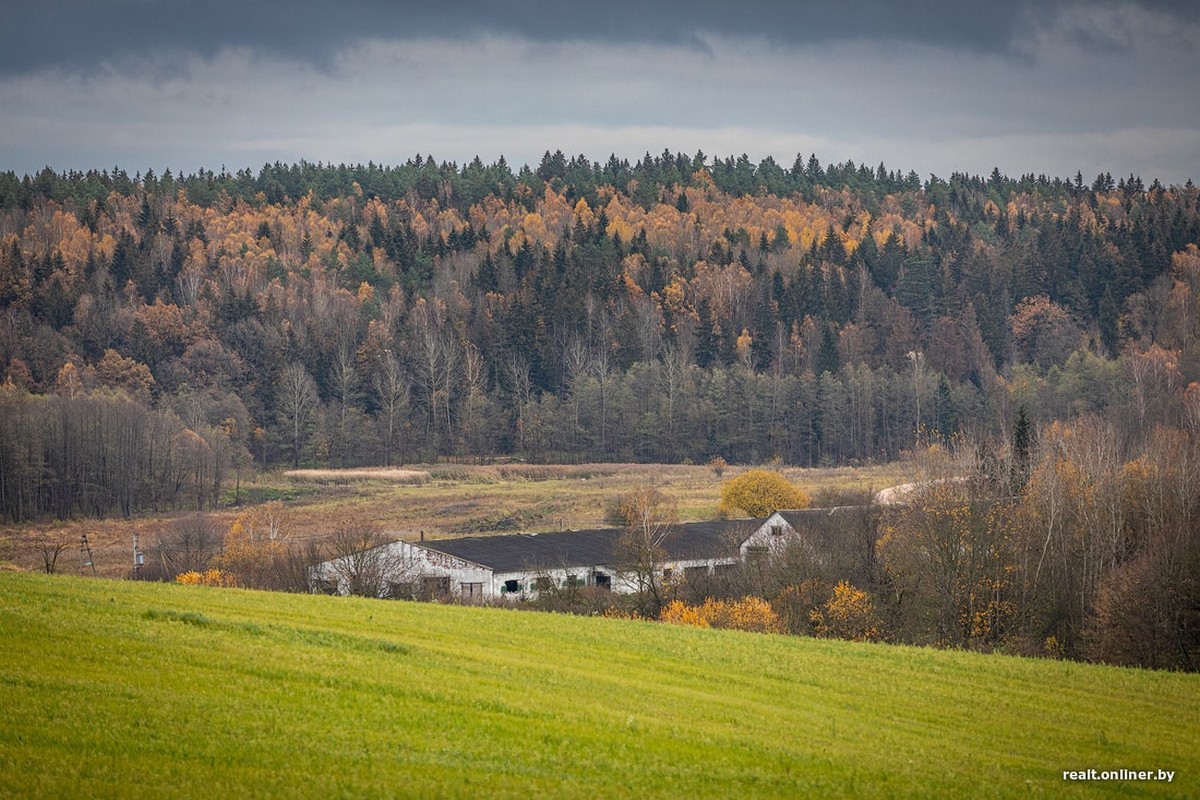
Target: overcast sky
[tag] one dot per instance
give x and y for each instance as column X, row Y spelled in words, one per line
column 935, row 86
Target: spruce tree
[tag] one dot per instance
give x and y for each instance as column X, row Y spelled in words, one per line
column 1022, row 443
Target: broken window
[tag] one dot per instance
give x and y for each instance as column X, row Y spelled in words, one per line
column 512, row 587
column 604, row 581
column 777, row 530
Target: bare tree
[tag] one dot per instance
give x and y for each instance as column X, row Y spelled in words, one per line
column 474, row 372
column 345, row 384
column 672, row 376
column 291, row 569
column 577, row 364
column 50, row 550
column 435, row 356
column 298, row 400
column 650, row 518
column 451, row 354
column 519, row 382
column 364, row 562
column 602, row 369
column 393, row 391
column 188, row 545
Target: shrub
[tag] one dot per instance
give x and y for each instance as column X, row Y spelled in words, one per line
column 209, row 577
column 760, row 492
column 847, row 614
column 748, row 614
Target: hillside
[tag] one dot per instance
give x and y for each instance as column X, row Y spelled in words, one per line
column 122, row 689
column 185, row 330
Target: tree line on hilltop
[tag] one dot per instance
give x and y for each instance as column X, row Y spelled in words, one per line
column 160, row 335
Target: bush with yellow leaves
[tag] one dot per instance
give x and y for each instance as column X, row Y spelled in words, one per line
column 748, row 614
column 847, row 614
column 209, row 577
column 759, row 493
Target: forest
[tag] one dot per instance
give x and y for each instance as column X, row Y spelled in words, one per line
column 163, row 335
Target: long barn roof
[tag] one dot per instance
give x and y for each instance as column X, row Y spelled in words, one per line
column 525, row 551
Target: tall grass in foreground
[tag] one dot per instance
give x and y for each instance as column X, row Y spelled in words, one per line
column 126, row 689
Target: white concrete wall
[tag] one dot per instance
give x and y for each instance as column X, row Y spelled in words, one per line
column 764, row 536
column 402, row 562
column 619, row 583
column 432, row 564
column 528, row 579
column 410, row 563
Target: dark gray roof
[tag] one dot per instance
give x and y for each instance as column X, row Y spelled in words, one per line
column 525, row 551
column 817, row 516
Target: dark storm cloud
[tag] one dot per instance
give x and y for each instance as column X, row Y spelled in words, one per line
column 80, row 34
column 934, row 86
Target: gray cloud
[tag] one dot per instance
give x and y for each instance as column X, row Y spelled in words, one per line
column 1094, row 88
column 80, row 34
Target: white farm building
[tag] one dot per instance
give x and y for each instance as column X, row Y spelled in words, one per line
column 515, row 565
column 521, row 565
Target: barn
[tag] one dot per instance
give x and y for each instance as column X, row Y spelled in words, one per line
column 840, row 541
column 522, row 565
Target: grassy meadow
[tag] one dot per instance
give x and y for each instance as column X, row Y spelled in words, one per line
column 441, row 500
column 127, row 689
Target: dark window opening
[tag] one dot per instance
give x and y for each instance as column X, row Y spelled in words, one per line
column 401, row 590
column 603, row 581
column 435, row 587
column 511, row 587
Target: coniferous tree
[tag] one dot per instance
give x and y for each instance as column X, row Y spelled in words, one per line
column 1022, row 449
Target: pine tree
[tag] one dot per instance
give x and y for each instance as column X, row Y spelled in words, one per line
column 827, row 359
column 1109, row 333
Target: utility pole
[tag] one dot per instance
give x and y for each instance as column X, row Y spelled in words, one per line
column 139, row 558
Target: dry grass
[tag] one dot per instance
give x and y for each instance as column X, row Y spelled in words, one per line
column 357, row 475
column 453, row 500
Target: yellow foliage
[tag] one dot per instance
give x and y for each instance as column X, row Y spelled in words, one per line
column 761, row 492
column 254, row 539
column 744, row 342
column 678, row 612
column 619, row 227
column 210, row 577
column 847, row 614
column 751, row 614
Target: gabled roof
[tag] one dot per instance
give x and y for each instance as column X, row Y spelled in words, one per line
column 597, row 547
column 799, row 518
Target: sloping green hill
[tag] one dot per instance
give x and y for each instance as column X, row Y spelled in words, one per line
column 110, row 688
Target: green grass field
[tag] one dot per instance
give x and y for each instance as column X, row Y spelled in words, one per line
column 122, row 689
